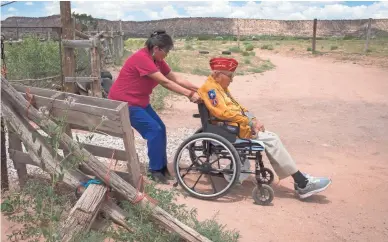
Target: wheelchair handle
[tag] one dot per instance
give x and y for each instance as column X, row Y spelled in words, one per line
column 196, row 115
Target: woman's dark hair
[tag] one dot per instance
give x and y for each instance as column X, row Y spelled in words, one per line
column 161, row 39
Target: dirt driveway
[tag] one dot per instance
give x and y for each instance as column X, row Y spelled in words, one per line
column 333, row 118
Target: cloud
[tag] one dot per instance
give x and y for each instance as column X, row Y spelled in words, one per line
column 290, row 10
column 109, row 10
column 280, row 10
column 12, row 9
column 52, row 8
column 4, row 16
column 167, row 12
column 29, row 3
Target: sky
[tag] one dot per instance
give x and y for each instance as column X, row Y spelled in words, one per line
column 152, row 10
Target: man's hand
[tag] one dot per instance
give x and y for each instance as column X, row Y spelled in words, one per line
column 257, row 126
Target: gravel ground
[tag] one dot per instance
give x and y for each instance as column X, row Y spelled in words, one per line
column 174, row 139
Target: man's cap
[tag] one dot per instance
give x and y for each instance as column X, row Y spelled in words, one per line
column 223, row 64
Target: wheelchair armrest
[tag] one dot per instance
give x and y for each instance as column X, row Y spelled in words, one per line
column 224, row 122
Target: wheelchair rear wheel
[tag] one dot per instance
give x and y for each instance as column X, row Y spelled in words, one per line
column 214, row 152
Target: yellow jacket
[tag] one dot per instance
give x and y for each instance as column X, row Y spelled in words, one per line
column 223, row 106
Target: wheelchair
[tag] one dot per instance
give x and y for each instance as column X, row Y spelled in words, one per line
column 217, row 152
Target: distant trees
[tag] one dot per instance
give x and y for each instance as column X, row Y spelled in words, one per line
column 87, row 22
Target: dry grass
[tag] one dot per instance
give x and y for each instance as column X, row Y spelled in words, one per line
column 191, row 61
column 186, row 58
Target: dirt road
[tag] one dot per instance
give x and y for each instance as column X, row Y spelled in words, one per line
column 333, row 118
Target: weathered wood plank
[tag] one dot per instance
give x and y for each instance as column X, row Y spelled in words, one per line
column 21, row 157
column 105, row 152
column 81, row 35
column 96, row 69
column 116, row 214
column 81, row 79
column 4, row 168
column 89, row 100
column 83, row 128
column 99, row 169
column 34, row 90
column 39, row 152
column 86, row 116
column 16, row 144
column 133, row 164
column 78, row 43
column 59, row 103
column 46, row 161
column 83, row 213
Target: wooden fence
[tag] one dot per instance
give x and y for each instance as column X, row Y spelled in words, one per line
column 20, row 105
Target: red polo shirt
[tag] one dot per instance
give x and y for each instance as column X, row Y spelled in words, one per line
column 133, row 85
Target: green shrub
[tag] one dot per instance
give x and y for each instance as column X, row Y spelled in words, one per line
column 309, row 49
column 188, row 46
column 267, row 47
column 267, row 65
column 204, row 37
column 32, row 59
column 333, row 47
column 235, row 49
column 173, row 61
column 245, row 53
column 249, row 47
column 134, row 44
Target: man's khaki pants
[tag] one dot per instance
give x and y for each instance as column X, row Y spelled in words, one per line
column 280, row 159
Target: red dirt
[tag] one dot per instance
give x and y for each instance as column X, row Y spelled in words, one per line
column 334, row 122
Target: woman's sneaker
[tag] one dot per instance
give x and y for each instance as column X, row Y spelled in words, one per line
column 158, row 177
column 314, row 186
column 167, row 174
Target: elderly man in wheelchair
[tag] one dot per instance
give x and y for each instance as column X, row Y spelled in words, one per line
column 231, row 136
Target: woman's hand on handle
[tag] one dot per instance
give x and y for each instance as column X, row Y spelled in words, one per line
column 195, row 98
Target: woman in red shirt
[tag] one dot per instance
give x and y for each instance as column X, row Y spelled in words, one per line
column 141, row 73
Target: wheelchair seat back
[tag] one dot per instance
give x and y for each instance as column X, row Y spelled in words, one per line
column 229, row 132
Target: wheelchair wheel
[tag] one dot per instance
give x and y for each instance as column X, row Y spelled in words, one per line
column 262, row 195
column 210, row 163
column 193, row 156
column 265, row 176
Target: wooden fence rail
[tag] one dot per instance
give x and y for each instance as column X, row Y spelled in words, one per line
column 20, row 107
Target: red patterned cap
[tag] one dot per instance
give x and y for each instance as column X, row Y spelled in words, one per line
column 223, row 64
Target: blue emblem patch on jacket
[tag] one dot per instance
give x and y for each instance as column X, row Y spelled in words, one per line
column 212, row 94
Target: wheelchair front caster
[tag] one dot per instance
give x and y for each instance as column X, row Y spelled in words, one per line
column 265, row 176
column 262, row 194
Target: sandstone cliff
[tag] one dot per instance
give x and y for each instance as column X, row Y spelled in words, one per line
column 215, row 26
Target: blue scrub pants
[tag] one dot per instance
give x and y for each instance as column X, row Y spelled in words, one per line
column 151, row 128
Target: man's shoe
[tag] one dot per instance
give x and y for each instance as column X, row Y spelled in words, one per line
column 314, row 185
column 158, row 177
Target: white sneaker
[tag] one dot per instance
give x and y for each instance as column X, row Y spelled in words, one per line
column 314, row 185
